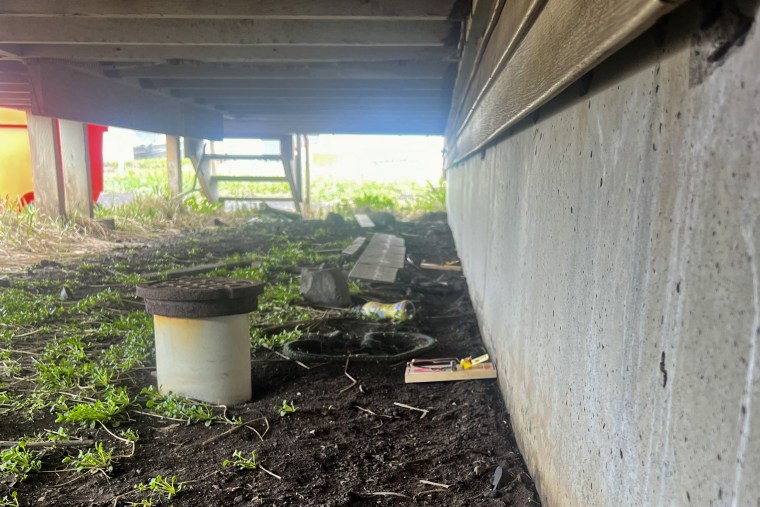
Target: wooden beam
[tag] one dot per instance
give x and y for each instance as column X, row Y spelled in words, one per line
column 239, row 32
column 479, row 28
column 233, row 9
column 75, row 159
column 295, row 84
column 47, row 168
column 264, row 126
column 6, row 53
column 219, row 53
column 15, row 97
column 64, row 92
column 501, row 44
column 345, row 71
column 567, row 39
column 210, row 95
column 174, row 164
column 319, row 109
column 311, row 102
column 14, row 88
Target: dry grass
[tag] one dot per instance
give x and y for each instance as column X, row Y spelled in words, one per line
column 27, row 237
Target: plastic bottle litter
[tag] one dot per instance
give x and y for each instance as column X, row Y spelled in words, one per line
column 403, row 310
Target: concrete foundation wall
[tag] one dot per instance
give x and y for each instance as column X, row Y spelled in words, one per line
column 612, row 249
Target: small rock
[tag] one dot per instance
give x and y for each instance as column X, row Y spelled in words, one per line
column 334, row 219
column 238, row 499
column 5, row 283
column 383, row 218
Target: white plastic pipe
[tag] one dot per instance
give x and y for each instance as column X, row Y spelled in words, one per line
column 205, row 359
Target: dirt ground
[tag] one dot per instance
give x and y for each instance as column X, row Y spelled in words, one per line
column 342, row 445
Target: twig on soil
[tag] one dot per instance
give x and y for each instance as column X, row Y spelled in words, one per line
column 345, row 372
column 270, row 473
column 436, row 490
column 424, row 412
column 165, row 417
column 388, row 493
column 30, row 333
column 437, row 484
column 231, row 430
column 261, row 435
column 373, row 413
column 16, row 351
column 299, row 363
column 130, row 442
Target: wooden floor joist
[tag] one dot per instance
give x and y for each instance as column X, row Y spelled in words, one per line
column 567, row 39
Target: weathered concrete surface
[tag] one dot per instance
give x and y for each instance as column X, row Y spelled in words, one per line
column 612, row 248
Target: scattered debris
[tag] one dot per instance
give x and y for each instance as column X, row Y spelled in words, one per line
column 325, row 287
column 364, row 221
column 373, row 413
column 382, row 218
column 403, row 310
column 437, row 484
column 381, row 260
column 354, row 247
column 409, row 407
column 277, row 212
column 353, row 380
column 66, row 294
column 388, row 493
column 440, row 267
column 334, row 219
column 496, row 481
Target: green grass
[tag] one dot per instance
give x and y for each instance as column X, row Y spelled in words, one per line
column 148, row 178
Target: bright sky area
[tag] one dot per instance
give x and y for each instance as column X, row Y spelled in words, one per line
column 380, row 158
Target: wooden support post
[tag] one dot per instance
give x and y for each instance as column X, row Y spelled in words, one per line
column 307, row 172
column 286, row 151
column 47, row 168
column 75, row 158
column 299, row 167
column 174, row 164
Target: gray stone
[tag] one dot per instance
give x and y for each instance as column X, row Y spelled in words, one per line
column 325, row 287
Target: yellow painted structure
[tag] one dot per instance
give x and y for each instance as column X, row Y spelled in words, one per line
column 15, row 158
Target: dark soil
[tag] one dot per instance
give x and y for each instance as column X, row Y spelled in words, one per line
column 343, row 445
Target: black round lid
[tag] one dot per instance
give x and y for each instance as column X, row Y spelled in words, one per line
column 200, row 297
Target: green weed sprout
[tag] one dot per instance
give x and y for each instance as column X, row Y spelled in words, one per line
column 241, row 461
column 19, row 462
column 99, row 411
column 286, row 408
column 98, row 461
column 5, row 501
column 169, row 488
column 178, row 407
